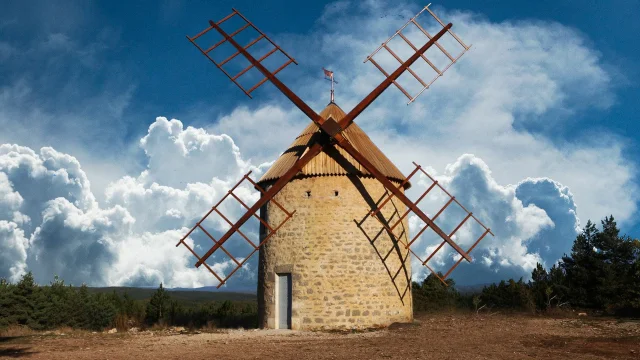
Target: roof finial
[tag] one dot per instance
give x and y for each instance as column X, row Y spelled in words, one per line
column 329, row 76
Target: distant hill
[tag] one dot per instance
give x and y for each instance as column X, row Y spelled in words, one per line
column 193, row 296
column 248, row 290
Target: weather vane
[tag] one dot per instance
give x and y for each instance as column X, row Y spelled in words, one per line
column 328, row 75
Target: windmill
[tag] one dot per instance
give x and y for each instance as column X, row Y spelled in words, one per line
column 342, row 257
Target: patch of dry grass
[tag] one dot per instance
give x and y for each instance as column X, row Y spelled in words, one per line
column 24, row 331
column 16, row 330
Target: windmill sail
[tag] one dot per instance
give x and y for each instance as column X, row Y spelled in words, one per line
column 391, row 224
column 413, row 24
column 333, row 134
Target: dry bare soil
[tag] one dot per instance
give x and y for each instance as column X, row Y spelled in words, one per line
column 441, row 336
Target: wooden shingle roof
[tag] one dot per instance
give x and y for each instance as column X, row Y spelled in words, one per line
column 323, row 164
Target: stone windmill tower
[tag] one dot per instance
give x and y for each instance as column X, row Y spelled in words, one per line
column 342, row 257
column 323, row 251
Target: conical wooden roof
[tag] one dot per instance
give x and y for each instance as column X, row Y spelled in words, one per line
column 323, row 164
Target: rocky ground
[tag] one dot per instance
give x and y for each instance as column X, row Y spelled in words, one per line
column 440, row 336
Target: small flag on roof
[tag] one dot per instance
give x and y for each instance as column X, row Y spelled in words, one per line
column 328, row 75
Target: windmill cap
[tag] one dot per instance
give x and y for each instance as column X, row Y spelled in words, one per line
column 323, row 164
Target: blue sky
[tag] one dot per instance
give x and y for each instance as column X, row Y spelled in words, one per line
column 546, row 102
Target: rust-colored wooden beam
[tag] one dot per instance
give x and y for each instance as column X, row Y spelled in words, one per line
column 348, row 119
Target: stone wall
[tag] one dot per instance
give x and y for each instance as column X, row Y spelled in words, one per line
column 343, row 275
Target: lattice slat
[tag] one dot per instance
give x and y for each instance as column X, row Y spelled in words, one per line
column 391, row 224
column 425, row 85
column 229, row 38
column 219, row 247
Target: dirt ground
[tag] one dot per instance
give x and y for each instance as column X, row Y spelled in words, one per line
column 441, row 336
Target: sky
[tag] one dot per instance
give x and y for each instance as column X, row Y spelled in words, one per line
column 117, row 134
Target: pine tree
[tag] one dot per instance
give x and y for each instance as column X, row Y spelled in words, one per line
column 174, row 311
column 22, row 298
column 6, row 303
column 558, row 284
column 432, row 294
column 606, row 273
column 540, row 287
column 601, row 272
column 579, row 267
column 42, row 310
column 509, row 295
column 157, row 306
column 51, row 305
column 631, row 300
column 133, row 310
column 80, row 302
column 102, row 312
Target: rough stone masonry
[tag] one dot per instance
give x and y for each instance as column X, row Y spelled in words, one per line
column 343, row 275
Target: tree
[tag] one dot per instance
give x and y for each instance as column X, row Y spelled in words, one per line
column 102, row 312
column 432, row 294
column 579, row 267
column 509, row 295
column 608, row 253
column 558, row 284
column 80, row 303
column 133, row 310
column 540, row 287
column 174, row 311
column 6, row 302
column 632, row 298
column 22, row 300
column 629, row 286
column 51, row 305
column 601, row 272
column 157, row 306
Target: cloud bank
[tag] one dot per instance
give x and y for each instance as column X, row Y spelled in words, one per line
column 52, row 224
column 57, row 227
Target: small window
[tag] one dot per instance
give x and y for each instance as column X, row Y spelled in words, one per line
column 335, row 192
column 308, row 193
